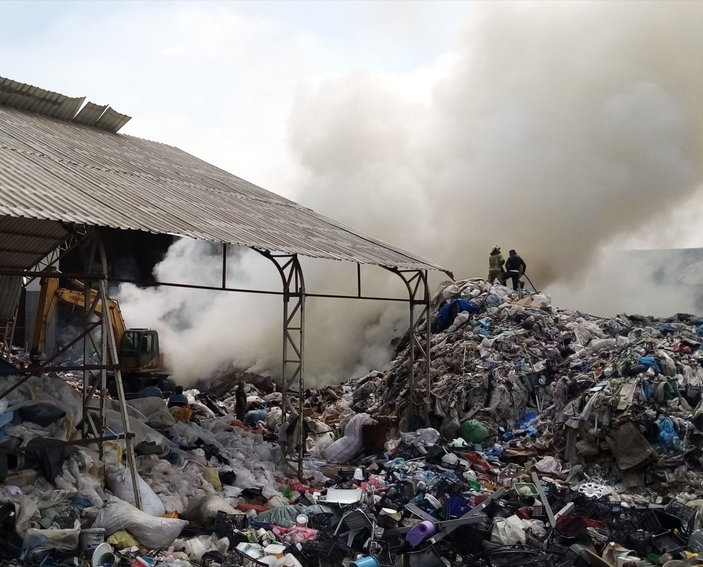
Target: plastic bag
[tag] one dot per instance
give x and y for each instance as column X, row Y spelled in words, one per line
column 668, row 438
column 597, row 345
column 507, row 531
column 425, row 437
column 119, row 480
column 122, row 540
column 48, row 389
column 345, row 449
column 38, row 541
column 285, row 516
column 198, row 546
column 203, row 509
column 473, row 431
column 41, row 413
column 548, row 465
column 143, row 433
column 213, row 477
column 151, row 532
column 155, row 412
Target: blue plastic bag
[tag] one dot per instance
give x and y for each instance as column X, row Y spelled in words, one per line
column 650, row 362
column 668, row 438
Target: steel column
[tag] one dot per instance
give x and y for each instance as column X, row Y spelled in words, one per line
column 419, row 332
column 293, row 356
column 108, row 331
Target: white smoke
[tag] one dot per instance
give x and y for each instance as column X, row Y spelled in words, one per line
column 564, row 130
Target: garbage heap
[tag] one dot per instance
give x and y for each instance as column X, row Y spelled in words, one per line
column 619, row 397
column 549, row 438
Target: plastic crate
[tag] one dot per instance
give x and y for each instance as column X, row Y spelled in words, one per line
column 686, row 514
column 240, row 559
column 668, row 543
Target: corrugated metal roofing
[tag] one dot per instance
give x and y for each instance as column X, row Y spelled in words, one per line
column 10, row 290
column 25, row 241
column 40, row 101
column 63, row 171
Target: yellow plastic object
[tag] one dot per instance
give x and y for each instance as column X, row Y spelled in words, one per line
column 213, row 477
column 122, row 540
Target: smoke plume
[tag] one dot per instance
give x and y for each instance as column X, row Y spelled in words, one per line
column 564, row 130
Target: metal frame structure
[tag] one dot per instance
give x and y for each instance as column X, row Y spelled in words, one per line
column 294, row 296
column 68, row 173
column 107, row 353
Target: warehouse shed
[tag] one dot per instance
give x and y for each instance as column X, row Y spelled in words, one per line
column 67, row 174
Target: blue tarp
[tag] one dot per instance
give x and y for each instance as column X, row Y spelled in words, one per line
column 448, row 311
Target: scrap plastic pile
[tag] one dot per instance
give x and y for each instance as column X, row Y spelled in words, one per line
column 548, row 438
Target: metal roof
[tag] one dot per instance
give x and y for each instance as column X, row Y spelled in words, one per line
column 64, row 171
column 40, row 101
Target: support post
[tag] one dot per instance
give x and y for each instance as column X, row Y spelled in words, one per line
column 419, row 332
column 112, row 347
column 293, row 356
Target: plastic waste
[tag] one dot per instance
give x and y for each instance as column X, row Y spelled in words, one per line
column 668, row 438
column 345, row 449
column 509, row 531
column 151, row 532
column 119, row 481
column 203, row 509
column 122, row 539
column 37, row 541
column 473, row 431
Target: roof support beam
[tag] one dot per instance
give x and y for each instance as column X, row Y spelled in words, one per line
column 293, row 361
column 420, row 336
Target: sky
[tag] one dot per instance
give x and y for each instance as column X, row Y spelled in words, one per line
column 569, row 130
column 219, row 79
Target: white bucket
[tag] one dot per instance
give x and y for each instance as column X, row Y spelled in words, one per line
column 91, row 538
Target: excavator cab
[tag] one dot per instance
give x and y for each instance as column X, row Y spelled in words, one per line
column 139, row 351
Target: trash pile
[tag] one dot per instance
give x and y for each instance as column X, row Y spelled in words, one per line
column 548, row 438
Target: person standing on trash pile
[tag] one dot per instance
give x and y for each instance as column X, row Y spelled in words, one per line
column 240, row 405
column 514, row 268
column 178, row 399
column 495, row 266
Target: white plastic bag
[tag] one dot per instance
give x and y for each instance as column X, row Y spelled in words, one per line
column 119, row 480
column 155, row 411
column 151, row 532
column 508, row 532
column 203, row 509
column 198, row 546
column 37, row 541
column 345, row 449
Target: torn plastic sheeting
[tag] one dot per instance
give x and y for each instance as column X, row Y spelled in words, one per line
column 154, row 411
column 143, row 434
column 629, row 447
column 49, row 389
column 37, row 541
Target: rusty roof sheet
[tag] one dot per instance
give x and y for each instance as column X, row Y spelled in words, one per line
column 60, row 170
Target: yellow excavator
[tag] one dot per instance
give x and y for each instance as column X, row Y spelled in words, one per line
column 139, row 356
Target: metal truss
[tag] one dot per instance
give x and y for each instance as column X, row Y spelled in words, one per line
column 419, row 335
column 96, row 310
column 293, row 362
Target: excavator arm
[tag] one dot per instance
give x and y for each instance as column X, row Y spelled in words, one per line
column 138, row 349
column 51, row 295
